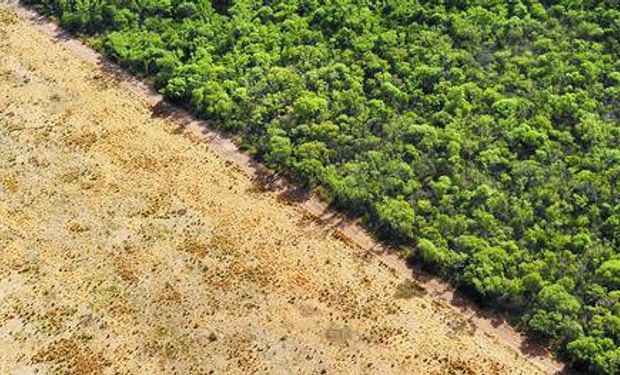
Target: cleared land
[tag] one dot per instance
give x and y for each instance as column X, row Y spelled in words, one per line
column 127, row 247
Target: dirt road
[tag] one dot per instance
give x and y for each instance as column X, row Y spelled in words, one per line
column 130, row 246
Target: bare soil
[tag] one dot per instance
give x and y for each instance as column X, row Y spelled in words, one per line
column 129, row 245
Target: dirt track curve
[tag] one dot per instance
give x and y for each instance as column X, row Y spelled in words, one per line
column 129, row 245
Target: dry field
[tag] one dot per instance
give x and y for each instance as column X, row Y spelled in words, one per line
column 128, row 247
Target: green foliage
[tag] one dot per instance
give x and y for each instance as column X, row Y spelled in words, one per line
column 397, row 214
column 609, row 274
column 486, row 132
column 601, row 353
column 431, row 254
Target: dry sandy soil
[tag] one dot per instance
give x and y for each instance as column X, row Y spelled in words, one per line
column 128, row 246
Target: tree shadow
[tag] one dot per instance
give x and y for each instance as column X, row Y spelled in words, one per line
column 264, row 180
column 293, row 196
column 534, row 345
column 409, row 289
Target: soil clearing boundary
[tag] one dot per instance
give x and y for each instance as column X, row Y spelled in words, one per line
column 491, row 324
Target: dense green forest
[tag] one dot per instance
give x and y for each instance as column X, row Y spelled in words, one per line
column 484, row 134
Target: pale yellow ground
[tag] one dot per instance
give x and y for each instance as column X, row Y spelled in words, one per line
column 126, row 248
